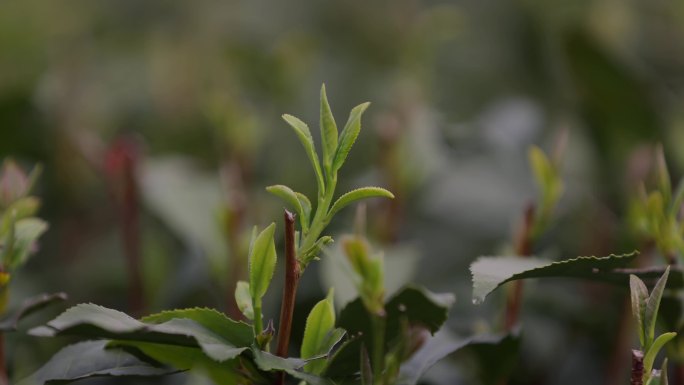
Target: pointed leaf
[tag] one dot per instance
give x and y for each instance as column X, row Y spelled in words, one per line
column 290, row 197
column 304, row 134
column 221, row 339
column 312, row 252
column 348, row 136
column 91, row 359
column 491, row 272
column 653, row 351
column 28, row 307
column 652, row 305
column 244, row 299
column 639, row 295
column 358, row 194
column 319, row 323
column 328, row 132
column 262, row 262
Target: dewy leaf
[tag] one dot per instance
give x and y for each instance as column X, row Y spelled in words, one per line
column 358, row 194
column 29, row 306
column 319, row 323
column 348, row 136
column 290, row 197
column 652, row 352
column 652, row 305
column 328, row 133
column 489, row 273
column 244, row 299
column 639, row 296
column 304, row 134
column 221, row 339
column 90, row 359
column 262, row 262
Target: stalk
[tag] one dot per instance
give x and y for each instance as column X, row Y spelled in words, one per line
column 637, row 368
column 378, row 325
column 523, row 247
column 3, row 369
column 292, row 275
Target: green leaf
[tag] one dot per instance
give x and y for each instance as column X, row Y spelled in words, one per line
column 639, row 296
column 348, row 136
column 92, row 359
column 483, row 350
column 319, row 324
column 328, row 133
column 653, row 351
column 304, row 134
column 312, row 252
column 236, row 332
column 358, row 194
column 292, row 366
column 290, row 197
column 262, row 262
column 26, row 233
column 28, row 307
column 20, row 209
column 652, row 305
column 220, row 340
column 306, row 206
column 489, row 273
column 244, row 299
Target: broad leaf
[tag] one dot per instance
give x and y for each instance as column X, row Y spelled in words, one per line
column 292, row 366
column 328, row 133
column 319, row 324
column 348, row 136
column 358, row 194
column 491, row 272
column 28, row 307
column 262, row 262
column 639, row 296
column 223, row 342
column 290, row 197
column 651, row 311
column 91, row 359
column 244, row 299
column 304, row 134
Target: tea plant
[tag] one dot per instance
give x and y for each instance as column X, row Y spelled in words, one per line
column 645, row 312
column 19, row 232
column 334, row 348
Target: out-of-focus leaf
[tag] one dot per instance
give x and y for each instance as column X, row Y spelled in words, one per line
column 28, row 307
column 20, row 209
column 358, row 194
column 489, row 273
column 483, row 350
column 91, row 359
column 220, row 342
column 348, row 135
column 262, row 262
column 639, row 296
column 652, row 306
column 26, row 233
column 244, row 299
column 328, row 132
column 304, row 134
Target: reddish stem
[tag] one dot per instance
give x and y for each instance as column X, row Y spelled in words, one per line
column 523, row 247
column 292, row 275
column 122, row 160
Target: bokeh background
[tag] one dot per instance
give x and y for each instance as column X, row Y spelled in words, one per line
column 189, row 96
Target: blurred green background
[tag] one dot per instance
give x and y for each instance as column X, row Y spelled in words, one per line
column 459, row 91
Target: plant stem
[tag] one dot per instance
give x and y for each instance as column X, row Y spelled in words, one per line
column 292, row 275
column 523, row 247
column 637, row 367
column 378, row 324
column 258, row 317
